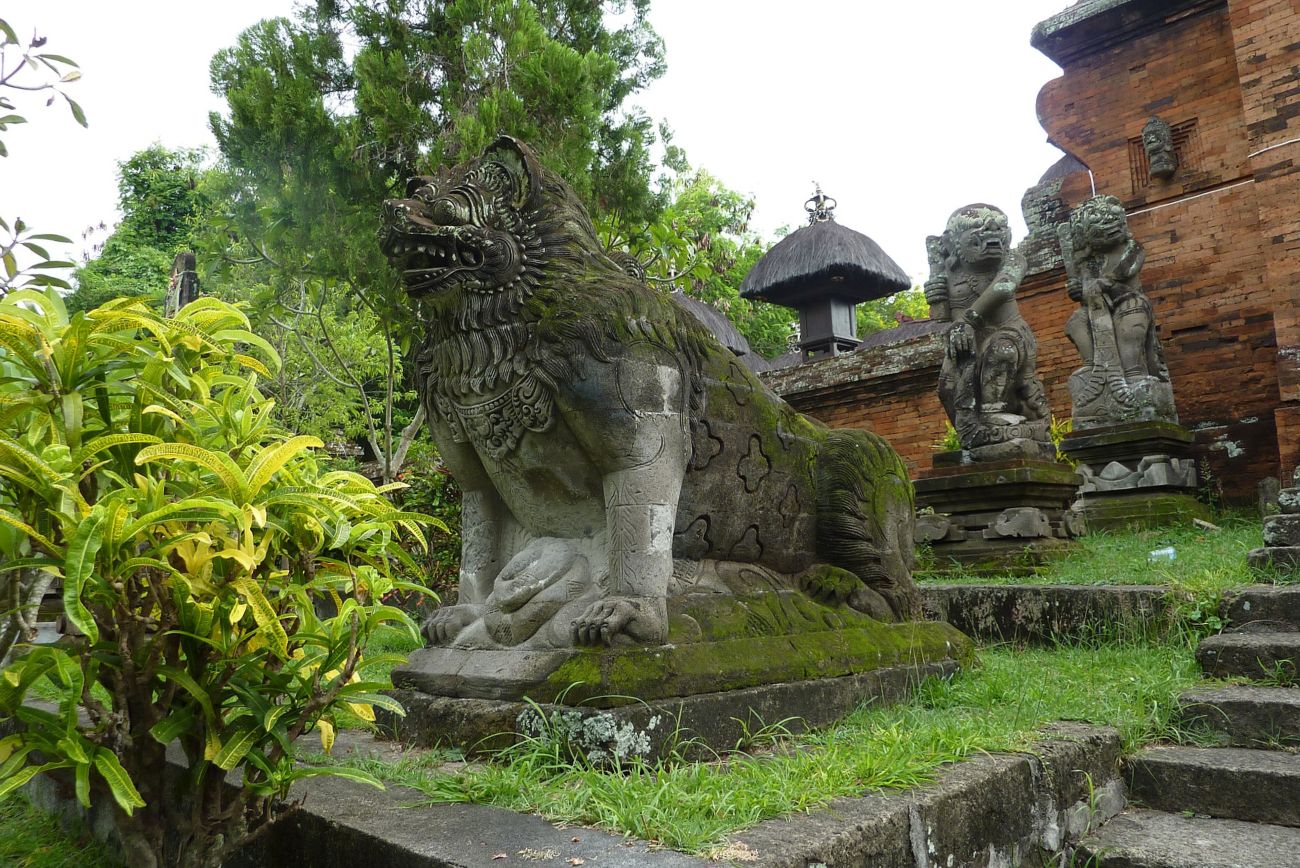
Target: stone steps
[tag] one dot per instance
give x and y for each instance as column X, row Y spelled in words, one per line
column 1270, row 656
column 1154, row 839
column 1255, row 717
column 1257, row 786
column 1275, row 607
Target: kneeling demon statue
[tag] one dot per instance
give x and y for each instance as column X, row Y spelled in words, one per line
column 1124, row 377
column 987, row 383
column 612, row 453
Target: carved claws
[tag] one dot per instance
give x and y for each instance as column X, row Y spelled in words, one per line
column 605, row 620
column 445, row 623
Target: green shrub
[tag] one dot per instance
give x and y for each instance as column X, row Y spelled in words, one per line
column 140, row 466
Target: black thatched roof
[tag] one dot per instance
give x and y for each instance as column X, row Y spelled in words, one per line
column 824, row 258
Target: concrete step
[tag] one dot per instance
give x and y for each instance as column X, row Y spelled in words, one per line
column 1246, row 716
column 1265, row 656
column 1258, row 786
column 1263, row 605
column 1153, row 839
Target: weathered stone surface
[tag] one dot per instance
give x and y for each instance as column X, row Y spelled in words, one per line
column 1154, row 839
column 1128, row 442
column 1120, row 511
column 988, row 383
column 1158, row 144
column 1124, row 377
column 1048, row 613
column 1251, row 655
column 1282, row 530
column 1002, row 514
column 698, row 725
column 932, row 527
column 990, row 810
column 1256, row 717
column 1021, row 522
column 1258, row 786
column 718, row 642
column 1279, row 557
column 606, row 442
column 343, row 825
column 1263, row 604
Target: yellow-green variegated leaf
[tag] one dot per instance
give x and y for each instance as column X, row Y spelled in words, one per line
column 264, row 615
column 219, row 463
column 271, row 460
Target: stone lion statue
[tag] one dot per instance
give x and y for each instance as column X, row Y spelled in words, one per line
column 1124, row 377
column 612, row 453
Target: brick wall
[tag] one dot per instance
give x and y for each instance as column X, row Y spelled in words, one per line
column 1222, row 236
column 1267, row 42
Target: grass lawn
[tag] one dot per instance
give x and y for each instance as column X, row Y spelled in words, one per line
column 31, row 838
column 996, row 705
column 1204, row 560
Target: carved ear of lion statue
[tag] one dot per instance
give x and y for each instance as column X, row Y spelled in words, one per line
column 613, row 455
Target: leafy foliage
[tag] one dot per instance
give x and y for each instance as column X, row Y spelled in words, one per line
column 195, row 542
column 702, row 244
column 27, row 69
column 316, row 137
column 161, row 200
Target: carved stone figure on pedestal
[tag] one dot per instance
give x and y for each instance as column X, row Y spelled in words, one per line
column 1134, row 457
column 987, row 382
column 1158, row 143
column 1124, row 377
column 628, row 482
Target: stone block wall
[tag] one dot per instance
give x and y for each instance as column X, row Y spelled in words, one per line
column 1222, row 236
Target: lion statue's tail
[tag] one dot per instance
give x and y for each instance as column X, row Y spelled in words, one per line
column 866, row 517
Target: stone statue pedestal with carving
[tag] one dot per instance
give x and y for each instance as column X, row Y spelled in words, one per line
column 996, row 515
column 1135, row 475
column 734, row 662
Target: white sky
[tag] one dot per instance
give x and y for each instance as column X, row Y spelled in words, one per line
column 902, row 111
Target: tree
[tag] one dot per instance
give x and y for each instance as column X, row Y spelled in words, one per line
column 890, row 312
column 26, row 69
column 161, row 200
column 316, row 138
column 194, row 539
column 702, row 245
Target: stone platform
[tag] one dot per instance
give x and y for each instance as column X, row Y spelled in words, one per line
column 759, row 659
column 997, row 515
column 1135, row 475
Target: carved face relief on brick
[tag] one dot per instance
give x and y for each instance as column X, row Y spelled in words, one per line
column 1158, row 142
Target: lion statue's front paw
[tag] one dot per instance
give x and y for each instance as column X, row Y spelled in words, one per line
column 445, row 623
column 605, row 620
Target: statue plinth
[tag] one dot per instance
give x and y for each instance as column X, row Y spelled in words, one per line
column 1135, row 475
column 996, row 515
column 757, row 657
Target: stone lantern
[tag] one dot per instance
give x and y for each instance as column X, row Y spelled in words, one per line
column 823, row 270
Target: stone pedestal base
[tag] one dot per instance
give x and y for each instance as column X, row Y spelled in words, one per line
column 725, row 654
column 996, row 516
column 1135, row 475
column 697, row 727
